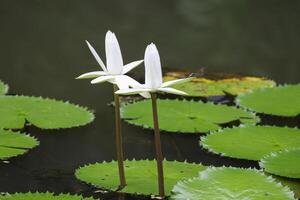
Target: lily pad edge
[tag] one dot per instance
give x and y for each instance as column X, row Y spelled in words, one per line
column 92, row 115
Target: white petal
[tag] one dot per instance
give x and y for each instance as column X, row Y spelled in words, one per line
column 169, row 83
column 145, row 95
column 97, row 57
column 132, row 91
column 171, row 91
column 124, row 81
column 91, row 75
column 102, row 79
column 131, row 66
column 114, row 60
column 153, row 74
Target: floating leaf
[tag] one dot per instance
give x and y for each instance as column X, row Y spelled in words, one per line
column 281, row 101
column 251, row 142
column 141, row 176
column 293, row 184
column 204, row 87
column 14, row 144
column 185, row 116
column 283, row 163
column 231, row 183
column 3, row 88
column 41, row 196
column 42, row 113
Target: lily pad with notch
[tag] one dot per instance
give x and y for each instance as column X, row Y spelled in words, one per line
column 231, row 183
column 285, row 100
column 42, row 113
column 284, row 163
column 141, row 176
column 15, row 143
column 185, row 116
column 251, row 142
column 42, row 196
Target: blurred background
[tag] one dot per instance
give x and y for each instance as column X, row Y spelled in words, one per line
column 42, row 42
column 42, row 50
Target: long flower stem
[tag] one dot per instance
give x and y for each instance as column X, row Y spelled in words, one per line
column 119, row 146
column 159, row 156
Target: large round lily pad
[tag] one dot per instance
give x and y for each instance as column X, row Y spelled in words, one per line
column 141, row 176
column 185, row 116
column 41, row 196
column 3, row 88
column 231, row 183
column 251, row 142
column 204, row 87
column 280, row 101
column 42, row 113
column 292, row 183
column 284, row 163
column 15, row 143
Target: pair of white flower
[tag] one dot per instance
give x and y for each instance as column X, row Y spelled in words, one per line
column 115, row 71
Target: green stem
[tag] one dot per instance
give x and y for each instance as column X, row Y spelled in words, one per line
column 159, row 156
column 119, row 146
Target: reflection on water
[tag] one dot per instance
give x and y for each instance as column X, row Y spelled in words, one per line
column 42, row 50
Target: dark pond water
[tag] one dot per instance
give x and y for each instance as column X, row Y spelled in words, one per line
column 42, row 50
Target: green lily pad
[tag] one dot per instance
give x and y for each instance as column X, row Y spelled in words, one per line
column 281, row 101
column 15, row 143
column 3, row 88
column 283, row 163
column 42, row 113
column 204, row 87
column 185, row 116
column 231, row 183
column 293, row 184
column 141, row 176
column 251, row 142
column 41, row 196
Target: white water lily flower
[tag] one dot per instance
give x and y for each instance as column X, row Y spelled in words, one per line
column 114, row 71
column 153, row 77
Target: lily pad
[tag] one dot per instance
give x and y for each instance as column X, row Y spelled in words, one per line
column 204, row 87
column 251, row 142
column 41, row 196
column 15, row 143
column 231, row 183
column 280, row 101
column 3, row 88
column 42, row 113
column 284, row 163
column 141, row 175
column 185, row 116
column 293, row 184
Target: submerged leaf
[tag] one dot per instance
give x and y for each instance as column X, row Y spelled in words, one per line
column 141, row 175
column 185, row 116
column 284, row 163
column 42, row 113
column 204, row 87
column 231, row 183
column 281, row 101
column 14, row 144
column 42, row 196
column 251, row 142
column 3, row 88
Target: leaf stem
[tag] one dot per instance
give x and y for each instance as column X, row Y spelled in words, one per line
column 119, row 146
column 159, row 156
